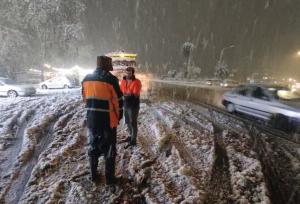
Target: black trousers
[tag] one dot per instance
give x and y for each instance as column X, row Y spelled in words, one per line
column 102, row 142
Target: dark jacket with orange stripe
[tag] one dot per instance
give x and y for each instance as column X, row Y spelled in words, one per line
column 103, row 97
column 131, row 90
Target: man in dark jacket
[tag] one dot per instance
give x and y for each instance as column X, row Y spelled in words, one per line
column 103, row 97
column 131, row 88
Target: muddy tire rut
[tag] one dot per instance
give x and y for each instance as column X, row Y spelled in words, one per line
column 220, row 175
column 19, row 184
column 19, row 172
column 280, row 182
column 11, row 153
column 170, row 187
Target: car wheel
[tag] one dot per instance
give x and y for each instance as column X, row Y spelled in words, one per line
column 66, row 86
column 230, row 107
column 280, row 122
column 44, row 86
column 12, row 94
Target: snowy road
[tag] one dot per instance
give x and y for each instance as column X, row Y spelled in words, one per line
column 184, row 155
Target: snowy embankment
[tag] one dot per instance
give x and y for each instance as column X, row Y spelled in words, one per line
column 181, row 157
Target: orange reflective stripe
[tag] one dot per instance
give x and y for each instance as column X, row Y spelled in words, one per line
column 99, row 110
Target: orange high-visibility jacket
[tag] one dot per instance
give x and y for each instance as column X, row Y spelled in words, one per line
column 131, row 90
column 103, row 97
column 129, row 87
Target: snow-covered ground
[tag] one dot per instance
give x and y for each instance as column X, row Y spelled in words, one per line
column 181, row 156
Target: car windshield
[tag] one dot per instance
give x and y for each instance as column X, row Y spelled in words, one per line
column 9, row 81
column 284, row 94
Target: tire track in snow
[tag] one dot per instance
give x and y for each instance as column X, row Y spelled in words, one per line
column 170, row 189
column 15, row 135
column 176, row 140
column 274, row 160
column 10, row 154
column 41, row 135
column 186, row 177
column 242, row 161
column 20, row 183
column 58, row 166
column 13, row 103
column 220, row 190
column 226, row 166
column 145, row 141
column 282, row 184
column 60, row 119
column 216, row 193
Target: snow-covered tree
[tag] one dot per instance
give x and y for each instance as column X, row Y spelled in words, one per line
column 57, row 25
column 187, row 49
column 14, row 51
column 39, row 31
column 172, row 73
column 194, row 72
column 14, row 47
column 221, row 70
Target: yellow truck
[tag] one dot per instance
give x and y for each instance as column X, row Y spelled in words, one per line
column 121, row 60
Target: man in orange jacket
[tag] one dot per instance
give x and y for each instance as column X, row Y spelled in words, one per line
column 103, row 97
column 131, row 88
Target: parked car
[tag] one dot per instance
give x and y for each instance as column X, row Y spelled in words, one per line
column 229, row 83
column 10, row 88
column 57, row 83
column 275, row 104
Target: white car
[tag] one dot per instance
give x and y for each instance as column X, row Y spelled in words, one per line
column 276, row 104
column 57, row 83
column 10, row 88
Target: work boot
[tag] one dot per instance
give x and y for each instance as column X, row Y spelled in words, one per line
column 110, row 171
column 113, row 180
column 93, row 169
column 110, row 180
column 133, row 142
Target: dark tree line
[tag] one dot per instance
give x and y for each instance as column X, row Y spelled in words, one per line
column 38, row 31
column 265, row 33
